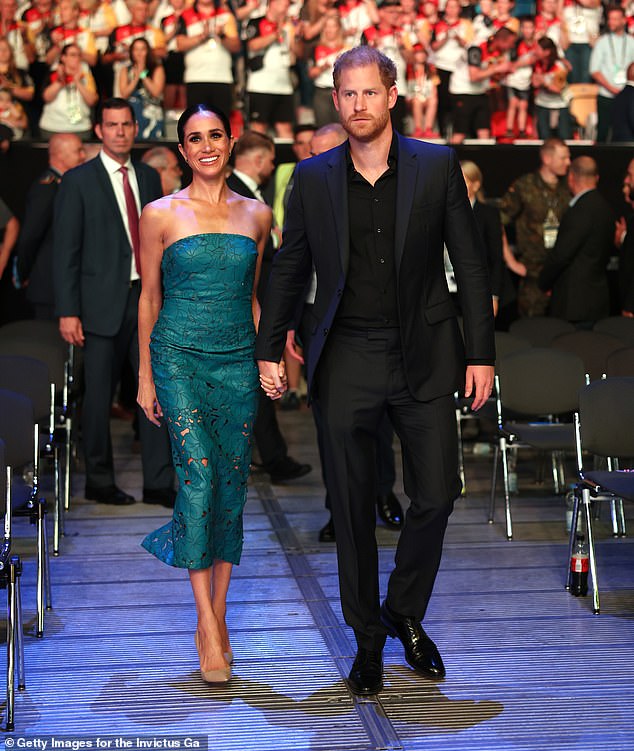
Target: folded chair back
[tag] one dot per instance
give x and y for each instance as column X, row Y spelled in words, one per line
column 621, row 363
column 606, row 410
column 540, row 330
column 540, row 381
column 16, row 427
column 28, row 376
column 593, row 347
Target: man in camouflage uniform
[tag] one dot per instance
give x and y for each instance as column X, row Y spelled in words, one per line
column 535, row 204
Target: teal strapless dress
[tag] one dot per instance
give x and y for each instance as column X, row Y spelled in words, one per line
column 207, row 385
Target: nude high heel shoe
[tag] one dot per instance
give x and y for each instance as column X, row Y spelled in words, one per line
column 212, row 676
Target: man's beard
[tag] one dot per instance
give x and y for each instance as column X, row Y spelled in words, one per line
column 366, row 130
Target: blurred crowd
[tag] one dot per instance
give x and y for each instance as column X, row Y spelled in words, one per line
column 465, row 69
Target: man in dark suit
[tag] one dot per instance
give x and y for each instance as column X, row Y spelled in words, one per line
column 35, row 243
column 254, row 163
column 97, row 285
column 372, row 216
column 624, row 240
column 575, row 269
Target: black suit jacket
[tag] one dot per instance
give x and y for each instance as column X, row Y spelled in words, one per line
column 431, row 209
column 623, row 115
column 35, row 243
column 92, row 253
column 490, row 226
column 575, row 269
column 237, row 185
column 626, row 268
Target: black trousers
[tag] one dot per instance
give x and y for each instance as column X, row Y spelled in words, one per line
column 360, row 378
column 386, row 471
column 103, row 360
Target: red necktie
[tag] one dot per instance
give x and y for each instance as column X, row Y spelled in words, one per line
column 133, row 218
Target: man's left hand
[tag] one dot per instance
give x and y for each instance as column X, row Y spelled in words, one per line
column 479, row 384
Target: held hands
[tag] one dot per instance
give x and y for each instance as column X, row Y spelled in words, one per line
column 479, row 384
column 272, row 378
column 146, row 399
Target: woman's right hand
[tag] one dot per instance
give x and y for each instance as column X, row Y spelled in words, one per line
column 146, row 399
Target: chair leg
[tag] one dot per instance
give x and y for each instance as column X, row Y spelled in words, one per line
column 591, row 552
column 621, row 518
column 614, row 517
column 507, row 492
column 57, row 510
column 12, row 617
column 573, row 534
column 494, row 481
column 554, row 461
column 41, row 565
column 67, row 461
column 460, row 451
column 20, row 632
column 48, row 599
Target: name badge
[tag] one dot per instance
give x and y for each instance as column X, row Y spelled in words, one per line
column 620, row 78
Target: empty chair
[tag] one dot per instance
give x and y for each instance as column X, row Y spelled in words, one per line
column 10, row 572
column 593, row 347
column 619, row 326
column 30, row 376
column 540, row 330
column 20, row 434
column 535, row 388
column 603, row 428
column 41, row 340
column 505, row 343
column 620, row 363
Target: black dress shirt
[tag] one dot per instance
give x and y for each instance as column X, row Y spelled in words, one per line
column 369, row 297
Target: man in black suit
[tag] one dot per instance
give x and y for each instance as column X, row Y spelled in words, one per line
column 372, row 216
column 624, row 240
column 254, row 163
column 35, row 243
column 97, row 285
column 575, row 269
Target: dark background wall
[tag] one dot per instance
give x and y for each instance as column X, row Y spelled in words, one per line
column 500, row 164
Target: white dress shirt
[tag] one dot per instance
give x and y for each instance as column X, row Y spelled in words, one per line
column 116, row 180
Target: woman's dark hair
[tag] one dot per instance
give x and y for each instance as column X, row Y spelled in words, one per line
column 149, row 55
column 547, row 44
column 67, row 47
column 194, row 110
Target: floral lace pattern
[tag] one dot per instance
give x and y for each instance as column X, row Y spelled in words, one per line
column 206, row 383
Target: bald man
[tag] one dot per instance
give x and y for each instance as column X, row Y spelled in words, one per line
column 35, row 243
column 575, row 270
column 165, row 162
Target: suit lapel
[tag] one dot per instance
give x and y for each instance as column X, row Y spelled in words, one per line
column 140, row 178
column 407, row 173
column 103, row 179
column 337, row 184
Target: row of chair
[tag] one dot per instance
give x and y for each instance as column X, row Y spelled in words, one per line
column 10, row 573
column 35, row 426
column 561, row 391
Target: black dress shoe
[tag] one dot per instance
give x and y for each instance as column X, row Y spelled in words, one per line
column 287, row 469
column 327, row 532
column 366, row 675
column 390, row 511
column 110, row 494
column 161, row 496
column 420, row 651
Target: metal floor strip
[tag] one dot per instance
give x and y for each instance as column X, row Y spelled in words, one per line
column 381, row 732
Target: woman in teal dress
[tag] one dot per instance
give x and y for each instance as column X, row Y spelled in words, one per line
column 201, row 250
